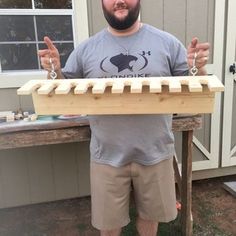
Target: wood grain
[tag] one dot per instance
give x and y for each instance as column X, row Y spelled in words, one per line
column 156, row 95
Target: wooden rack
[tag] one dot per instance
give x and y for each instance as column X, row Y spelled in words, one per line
column 183, row 94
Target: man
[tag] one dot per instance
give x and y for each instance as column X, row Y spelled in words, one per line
column 134, row 150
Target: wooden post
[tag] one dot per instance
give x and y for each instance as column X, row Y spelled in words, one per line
column 186, row 191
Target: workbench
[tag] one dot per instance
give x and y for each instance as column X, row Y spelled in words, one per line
column 44, row 132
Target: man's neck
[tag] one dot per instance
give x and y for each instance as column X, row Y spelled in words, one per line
column 131, row 30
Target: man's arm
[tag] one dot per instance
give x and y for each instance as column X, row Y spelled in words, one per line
column 202, row 55
column 50, row 53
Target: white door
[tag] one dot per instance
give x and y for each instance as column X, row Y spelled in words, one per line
column 229, row 118
column 207, row 140
column 204, row 19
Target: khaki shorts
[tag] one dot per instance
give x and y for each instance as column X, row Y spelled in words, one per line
column 154, row 192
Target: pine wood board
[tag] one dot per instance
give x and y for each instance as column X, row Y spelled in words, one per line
column 80, row 86
column 123, row 103
column 160, row 95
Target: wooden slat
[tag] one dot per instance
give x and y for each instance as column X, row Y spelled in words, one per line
column 194, row 86
column 174, row 86
column 99, row 87
column 215, row 85
column 136, row 87
column 81, row 88
column 47, row 87
column 29, row 87
column 64, row 87
column 155, row 86
column 117, row 87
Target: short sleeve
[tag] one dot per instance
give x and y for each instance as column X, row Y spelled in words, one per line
column 179, row 64
column 74, row 66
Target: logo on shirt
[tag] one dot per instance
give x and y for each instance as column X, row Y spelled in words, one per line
column 124, row 62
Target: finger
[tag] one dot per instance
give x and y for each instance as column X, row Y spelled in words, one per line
column 199, row 54
column 194, row 42
column 203, row 46
column 191, row 51
column 49, row 43
column 45, row 63
column 202, row 60
column 44, row 52
column 199, row 63
column 48, row 61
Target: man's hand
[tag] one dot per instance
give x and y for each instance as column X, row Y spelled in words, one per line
column 50, row 53
column 202, row 55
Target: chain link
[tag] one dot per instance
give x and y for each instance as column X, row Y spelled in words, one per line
column 194, row 69
column 52, row 74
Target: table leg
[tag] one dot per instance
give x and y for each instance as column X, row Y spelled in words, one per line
column 186, row 191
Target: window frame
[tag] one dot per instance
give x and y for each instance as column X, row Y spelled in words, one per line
column 79, row 16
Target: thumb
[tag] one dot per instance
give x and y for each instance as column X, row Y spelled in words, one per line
column 194, row 42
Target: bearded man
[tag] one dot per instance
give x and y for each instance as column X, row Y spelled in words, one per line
column 130, row 151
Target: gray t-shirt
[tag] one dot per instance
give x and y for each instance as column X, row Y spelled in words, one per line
column 120, row 139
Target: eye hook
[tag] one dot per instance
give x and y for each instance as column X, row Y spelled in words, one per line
column 194, row 69
column 52, row 74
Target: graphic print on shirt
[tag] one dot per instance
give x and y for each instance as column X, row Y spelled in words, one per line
column 126, row 63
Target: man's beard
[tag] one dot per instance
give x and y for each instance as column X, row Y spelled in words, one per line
column 122, row 24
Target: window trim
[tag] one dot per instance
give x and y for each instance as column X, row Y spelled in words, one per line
column 79, row 13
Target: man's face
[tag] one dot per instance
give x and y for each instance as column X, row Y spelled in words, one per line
column 121, row 14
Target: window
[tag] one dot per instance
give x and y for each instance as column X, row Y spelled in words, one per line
column 23, row 25
column 26, row 38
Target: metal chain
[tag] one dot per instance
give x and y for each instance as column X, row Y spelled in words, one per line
column 194, row 69
column 52, row 74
